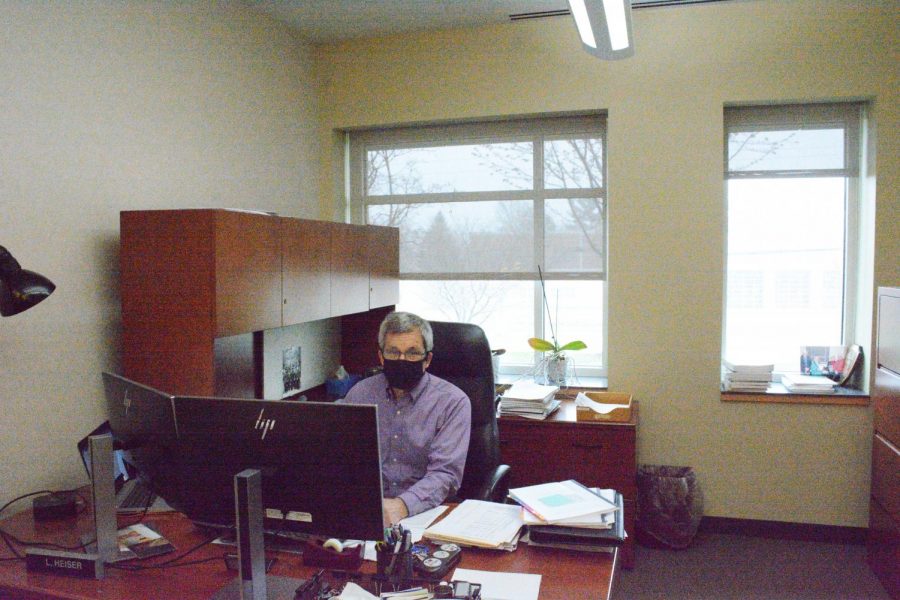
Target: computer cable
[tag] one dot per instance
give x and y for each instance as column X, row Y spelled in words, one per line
column 11, row 540
column 143, row 513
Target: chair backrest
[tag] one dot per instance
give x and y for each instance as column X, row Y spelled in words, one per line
column 462, row 356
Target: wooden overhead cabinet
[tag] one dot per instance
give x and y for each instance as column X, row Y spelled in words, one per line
column 384, row 266
column 349, row 269
column 196, row 285
column 306, row 253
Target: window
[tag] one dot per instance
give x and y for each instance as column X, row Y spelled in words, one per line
column 791, row 176
column 480, row 207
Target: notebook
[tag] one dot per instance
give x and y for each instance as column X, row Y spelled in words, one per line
column 132, row 494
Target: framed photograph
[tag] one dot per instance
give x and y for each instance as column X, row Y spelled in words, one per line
column 290, row 370
column 851, row 362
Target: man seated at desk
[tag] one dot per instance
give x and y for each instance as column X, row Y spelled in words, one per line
column 424, row 422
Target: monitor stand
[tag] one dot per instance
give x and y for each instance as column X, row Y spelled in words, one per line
column 253, row 583
column 103, row 493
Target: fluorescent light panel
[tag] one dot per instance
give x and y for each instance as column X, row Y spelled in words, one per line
column 604, row 26
column 615, row 23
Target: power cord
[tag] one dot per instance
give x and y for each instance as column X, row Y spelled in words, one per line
column 11, row 540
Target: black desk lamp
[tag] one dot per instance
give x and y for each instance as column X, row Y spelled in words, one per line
column 20, row 289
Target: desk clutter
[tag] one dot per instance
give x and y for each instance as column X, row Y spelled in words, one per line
column 529, row 399
column 570, row 516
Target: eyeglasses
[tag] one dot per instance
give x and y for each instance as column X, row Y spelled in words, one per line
column 410, row 355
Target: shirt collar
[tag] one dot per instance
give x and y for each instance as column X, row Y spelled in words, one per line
column 415, row 393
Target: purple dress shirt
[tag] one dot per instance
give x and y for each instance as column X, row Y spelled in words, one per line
column 424, row 438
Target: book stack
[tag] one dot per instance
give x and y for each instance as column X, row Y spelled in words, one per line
column 807, row 384
column 528, row 399
column 746, row 377
column 566, row 514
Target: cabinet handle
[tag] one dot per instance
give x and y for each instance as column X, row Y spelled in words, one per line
column 586, row 445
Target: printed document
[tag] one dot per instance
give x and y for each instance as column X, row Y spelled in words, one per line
column 553, row 502
column 480, row 523
column 502, row 586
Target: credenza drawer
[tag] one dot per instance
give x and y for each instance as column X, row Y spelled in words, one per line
column 603, row 457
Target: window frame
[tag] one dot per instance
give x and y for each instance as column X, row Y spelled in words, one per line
column 534, row 129
column 851, row 117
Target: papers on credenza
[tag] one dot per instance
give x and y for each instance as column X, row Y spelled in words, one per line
column 528, row 390
column 582, row 400
column 552, row 502
column 529, row 399
column 479, row 523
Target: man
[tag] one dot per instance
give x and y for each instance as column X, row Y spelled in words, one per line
column 424, row 422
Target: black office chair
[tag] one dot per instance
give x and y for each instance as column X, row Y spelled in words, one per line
column 462, row 356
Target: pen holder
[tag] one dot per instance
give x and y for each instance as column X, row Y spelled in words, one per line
column 394, row 567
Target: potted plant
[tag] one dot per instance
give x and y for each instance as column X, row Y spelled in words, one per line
column 553, row 367
column 555, row 363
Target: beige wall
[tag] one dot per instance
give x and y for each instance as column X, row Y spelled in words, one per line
column 666, row 236
column 108, row 106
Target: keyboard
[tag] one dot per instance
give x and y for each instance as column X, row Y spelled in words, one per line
column 139, row 497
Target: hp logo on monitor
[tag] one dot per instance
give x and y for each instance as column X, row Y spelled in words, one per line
column 264, row 425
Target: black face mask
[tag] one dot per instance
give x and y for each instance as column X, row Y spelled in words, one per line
column 403, row 374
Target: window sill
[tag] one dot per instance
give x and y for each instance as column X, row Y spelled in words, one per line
column 588, row 383
column 779, row 395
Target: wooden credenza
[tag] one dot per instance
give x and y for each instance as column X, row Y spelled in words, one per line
column 198, row 285
column 595, row 454
column 884, row 503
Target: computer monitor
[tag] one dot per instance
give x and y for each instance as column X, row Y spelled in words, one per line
column 320, row 462
column 142, row 422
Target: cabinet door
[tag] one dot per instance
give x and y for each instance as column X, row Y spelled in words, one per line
column 248, row 272
column 384, row 266
column 306, row 270
column 349, row 269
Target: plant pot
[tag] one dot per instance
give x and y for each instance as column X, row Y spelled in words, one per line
column 552, row 371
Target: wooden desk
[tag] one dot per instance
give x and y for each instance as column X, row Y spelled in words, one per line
column 560, row 447
column 565, row 575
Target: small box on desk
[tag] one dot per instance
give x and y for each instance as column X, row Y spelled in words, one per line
column 620, row 414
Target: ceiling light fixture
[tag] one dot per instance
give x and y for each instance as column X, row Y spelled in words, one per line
column 604, row 27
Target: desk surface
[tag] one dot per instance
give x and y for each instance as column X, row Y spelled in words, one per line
column 565, row 574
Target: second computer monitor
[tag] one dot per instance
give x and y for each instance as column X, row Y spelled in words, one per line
column 320, row 462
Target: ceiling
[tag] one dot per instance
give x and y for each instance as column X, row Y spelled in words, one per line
column 324, row 21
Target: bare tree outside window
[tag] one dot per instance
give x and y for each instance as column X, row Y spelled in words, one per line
column 478, row 215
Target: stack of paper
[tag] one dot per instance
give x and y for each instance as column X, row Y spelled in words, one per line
column 479, row 523
column 808, row 384
column 597, row 531
column 561, row 500
column 746, row 377
column 529, row 399
column 597, row 520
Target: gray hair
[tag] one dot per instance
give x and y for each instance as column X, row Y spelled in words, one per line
column 404, row 322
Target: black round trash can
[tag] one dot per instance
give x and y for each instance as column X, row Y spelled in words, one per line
column 670, row 505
